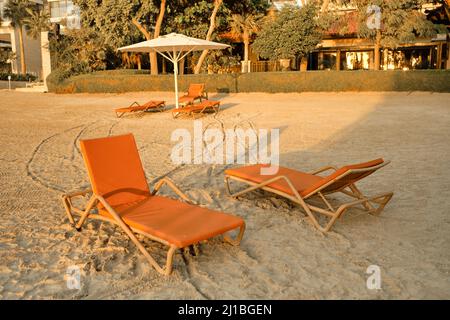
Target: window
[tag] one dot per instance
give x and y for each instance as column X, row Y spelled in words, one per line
column 62, row 8
column 409, row 58
column 355, row 60
column 327, row 60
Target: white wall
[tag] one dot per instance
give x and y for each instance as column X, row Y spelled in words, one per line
column 33, row 58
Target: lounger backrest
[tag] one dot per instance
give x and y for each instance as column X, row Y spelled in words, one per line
column 344, row 177
column 115, row 169
column 196, row 90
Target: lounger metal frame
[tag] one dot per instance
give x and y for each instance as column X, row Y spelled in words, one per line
column 332, row 213
column 116, row 219
column 158, row 106
column 215, row 107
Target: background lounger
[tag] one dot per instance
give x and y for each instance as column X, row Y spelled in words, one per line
column 135, row 107
column 195, row 91
column 200, row 108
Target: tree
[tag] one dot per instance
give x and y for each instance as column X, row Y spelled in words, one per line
column 207, row 19
column 156, row 33
column 295, row 32
column 16, row 11
column 211, row 28
column 37, row 22
column 113, row 22
column 76, row 52
column 401, row 21
column 148, row 35
column 159, row 20
column 244, row 26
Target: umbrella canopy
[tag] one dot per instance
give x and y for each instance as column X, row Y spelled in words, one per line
column 174, row 47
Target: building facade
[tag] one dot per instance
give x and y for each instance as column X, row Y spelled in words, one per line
column 9, row 40
column 64, row 10
column 349, row 52
column 36, row 51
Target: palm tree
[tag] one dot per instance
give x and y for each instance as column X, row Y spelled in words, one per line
column 244, row 26
column 16, row 11
column 37, row 22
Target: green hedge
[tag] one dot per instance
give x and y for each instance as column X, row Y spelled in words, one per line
column 17, row 77
column 116, row 81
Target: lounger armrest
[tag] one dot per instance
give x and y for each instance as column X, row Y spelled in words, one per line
column 71, row 208
column 324, row 169
column 134, row 103
column 171, row 185
column 78, row 193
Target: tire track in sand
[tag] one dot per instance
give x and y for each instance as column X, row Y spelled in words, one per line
column 41, row 180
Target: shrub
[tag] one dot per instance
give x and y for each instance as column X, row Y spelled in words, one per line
column 18, row 77
column 314, row 81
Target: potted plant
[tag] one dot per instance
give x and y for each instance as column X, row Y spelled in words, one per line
column 285, row 64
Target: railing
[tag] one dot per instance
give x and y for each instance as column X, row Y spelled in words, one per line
column 265, row 66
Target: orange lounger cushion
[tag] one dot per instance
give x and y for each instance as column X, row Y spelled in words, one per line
column 351, row 178
column 186, row 99
column 195, row 91
column 305, row 183
column 117, row 176
column 300, row 180
column 176, row 222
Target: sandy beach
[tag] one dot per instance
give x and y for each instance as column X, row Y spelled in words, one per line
column 281, row 256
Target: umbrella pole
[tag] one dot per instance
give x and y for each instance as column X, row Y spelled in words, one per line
column 175, row 74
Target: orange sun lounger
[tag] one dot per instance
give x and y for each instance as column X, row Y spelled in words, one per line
column 135, row 106
column 299, row 187
column 120, row 195
column 200, row 108
column 195, row 91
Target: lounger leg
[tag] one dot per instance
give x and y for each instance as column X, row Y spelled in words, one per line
column 313, row 219
column 66, row 204
column 297, row 198
column 330, row 223
column 169, row 262
column 382, row 201
column 86, row 212
column 66, row 199
column 358, row 194
column 168, row 268
column 237, row 240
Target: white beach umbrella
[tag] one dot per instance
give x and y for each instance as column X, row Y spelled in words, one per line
column 174, row 47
